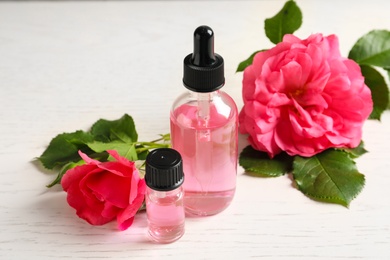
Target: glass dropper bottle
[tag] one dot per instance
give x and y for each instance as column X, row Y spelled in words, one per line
column 204, row 129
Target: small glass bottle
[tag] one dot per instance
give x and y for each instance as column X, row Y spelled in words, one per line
column 164, row 195
column 204, row 130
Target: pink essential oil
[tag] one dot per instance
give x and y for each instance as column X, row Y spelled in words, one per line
column 204, row 130
column 164, row 195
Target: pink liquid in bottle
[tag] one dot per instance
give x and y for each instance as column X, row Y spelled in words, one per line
column 165, row 215
column 204, row 131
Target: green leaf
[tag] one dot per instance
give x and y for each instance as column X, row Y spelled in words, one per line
column 330, row 176
column 247, row 62
column 126, row 150
column 259, row 163
column 355, row 152
column 287, row 21
column 64, row 149
column 142, row 152
column 63, row 170
column 142, row 155
column 122, row 129
column 388, row 74
column 379, row 90
column 373, row 49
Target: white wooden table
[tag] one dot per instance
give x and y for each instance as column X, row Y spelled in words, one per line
column 63, row 65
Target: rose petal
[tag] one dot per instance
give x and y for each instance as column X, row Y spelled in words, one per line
column 111, row 187
column 126, row 217
column 135, row 182
column 120, row 159
column 87, row 159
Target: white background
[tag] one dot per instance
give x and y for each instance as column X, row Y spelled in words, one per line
column 63, row 65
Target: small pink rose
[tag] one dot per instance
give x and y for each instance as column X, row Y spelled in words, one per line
column 302, row 97
column 103, row 191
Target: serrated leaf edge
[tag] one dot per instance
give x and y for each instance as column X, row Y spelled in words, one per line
column 332, row 199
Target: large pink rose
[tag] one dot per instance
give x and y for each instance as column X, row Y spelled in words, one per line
column 103, row 191
column 302, row 97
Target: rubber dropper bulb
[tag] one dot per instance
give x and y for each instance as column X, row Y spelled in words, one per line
column 203, row 54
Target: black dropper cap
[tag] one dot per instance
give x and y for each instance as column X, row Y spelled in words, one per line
column 203, row 69
column 164, row 169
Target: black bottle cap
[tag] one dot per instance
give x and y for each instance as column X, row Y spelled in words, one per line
column 203, row 69
column 164, row 169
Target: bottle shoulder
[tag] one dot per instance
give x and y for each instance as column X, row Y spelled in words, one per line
column 193, row 99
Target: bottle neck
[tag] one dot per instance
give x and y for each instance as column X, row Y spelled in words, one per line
column 205, row 96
